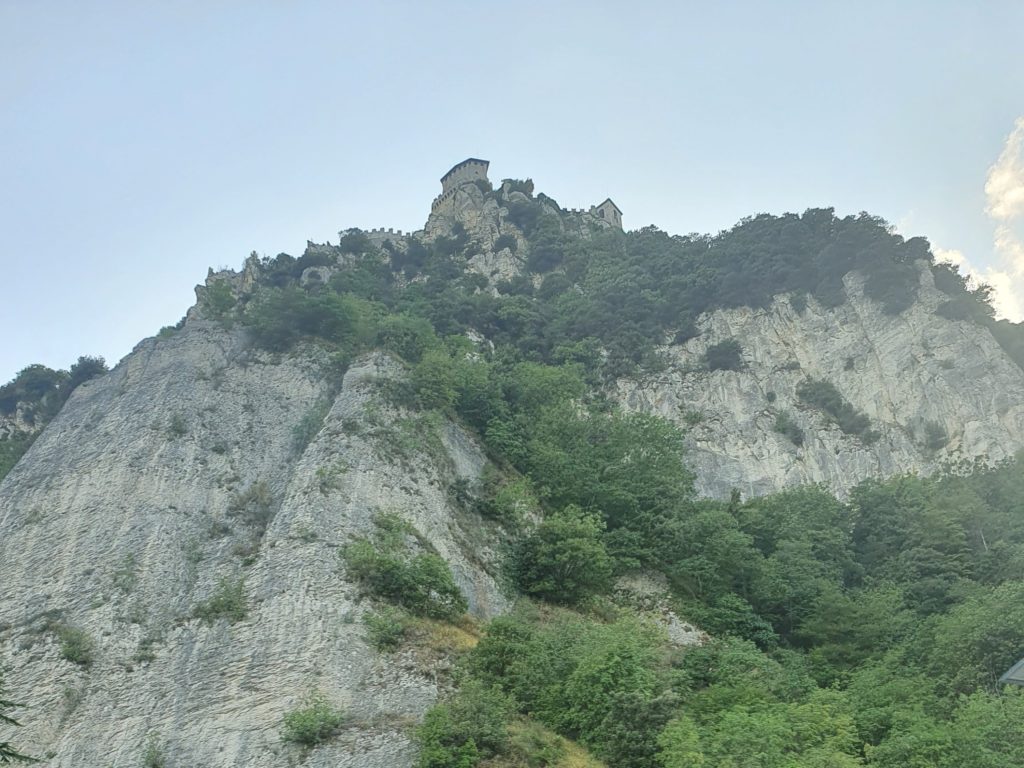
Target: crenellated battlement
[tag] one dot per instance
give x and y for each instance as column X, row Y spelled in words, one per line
column 473, row 169
column 606, row 211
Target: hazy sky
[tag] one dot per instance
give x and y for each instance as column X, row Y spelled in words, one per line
column 143, row 142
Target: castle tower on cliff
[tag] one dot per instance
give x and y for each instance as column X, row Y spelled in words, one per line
column 469, row 170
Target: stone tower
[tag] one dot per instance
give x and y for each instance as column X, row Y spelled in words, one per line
column 469, row 170
column 608, row 211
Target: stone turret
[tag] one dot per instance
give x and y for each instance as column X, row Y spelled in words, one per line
column 469, row 170
column 608, row 211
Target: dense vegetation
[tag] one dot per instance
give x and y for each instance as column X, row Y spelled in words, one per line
column 608, row 301
column 36, row 394
column 870, row 632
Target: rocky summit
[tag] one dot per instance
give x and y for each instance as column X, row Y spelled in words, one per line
column 199, row 549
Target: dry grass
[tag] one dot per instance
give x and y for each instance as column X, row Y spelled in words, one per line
column 530, row 740
column 444, row 638
column 577, row 757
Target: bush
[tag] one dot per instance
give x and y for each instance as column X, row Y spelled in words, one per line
column 314, row 724
column 935, row 436
column 785, row 425
column 218, row 299
column 724, row 356
column 506, row 501
column 421, row 583
column 473, row 725
column 824, row 396
column 386, row 630
column 309, row 426
column 505, row 241
column 565, row 560
column 227, row 602
column 177, row 427
column 355, row 241
column 153, row 756
column 255, row 506
column 75, row 645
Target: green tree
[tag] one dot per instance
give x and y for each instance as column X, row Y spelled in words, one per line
column 8, row 752
column 564, row 560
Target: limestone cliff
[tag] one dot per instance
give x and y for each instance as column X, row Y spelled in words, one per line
column 905, row 372
column 130, row 510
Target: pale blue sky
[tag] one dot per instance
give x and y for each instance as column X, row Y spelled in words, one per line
column 142, row 142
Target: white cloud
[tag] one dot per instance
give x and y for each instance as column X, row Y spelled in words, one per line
column 1004, row 186
column 1006, row 299
column 1010, row 249
column 1006, row 296
column 952, row 256
column 1004, row 193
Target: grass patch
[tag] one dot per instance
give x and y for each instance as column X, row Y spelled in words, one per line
column 227, row 602
column 76, row 645
column 313, row 724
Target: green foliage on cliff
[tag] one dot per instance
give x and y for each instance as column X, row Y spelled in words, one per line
column 312, row 724
column 849, row 633
column 724, row 356
column 890, row 619
column 565, row 559
column 391, row 568
column 8, row 752
column 630, row 291
column 824, row 396
column 35, row 396
column 228, row 601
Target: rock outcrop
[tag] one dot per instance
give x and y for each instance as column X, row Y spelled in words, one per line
column 909, row 373
column 185, row 469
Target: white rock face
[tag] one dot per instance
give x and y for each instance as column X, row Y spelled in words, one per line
column 903, row 371
column 117, row 523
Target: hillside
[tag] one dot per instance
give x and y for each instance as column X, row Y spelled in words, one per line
column 511, row 463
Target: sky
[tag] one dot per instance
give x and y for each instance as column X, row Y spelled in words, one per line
column 142, row 143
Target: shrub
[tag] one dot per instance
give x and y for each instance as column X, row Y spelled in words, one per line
column 433, row 380
column 218, row 299
column 524, row 214
column 724, row 356
column 309, row 426
column 355, row 241
column 935, row 436
column 177, row 427
column 386, row 630
column 519, row 185
column 313, row 724
column 565, row 560
column 153, row 756
column 470, row 726
column 506, row 501
column 785, row 425
column 421, row 583
column 407, row 336
column 75, row 645
column 824, row 396
column 226, row 602
column 255, row 506
column 505, row 241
